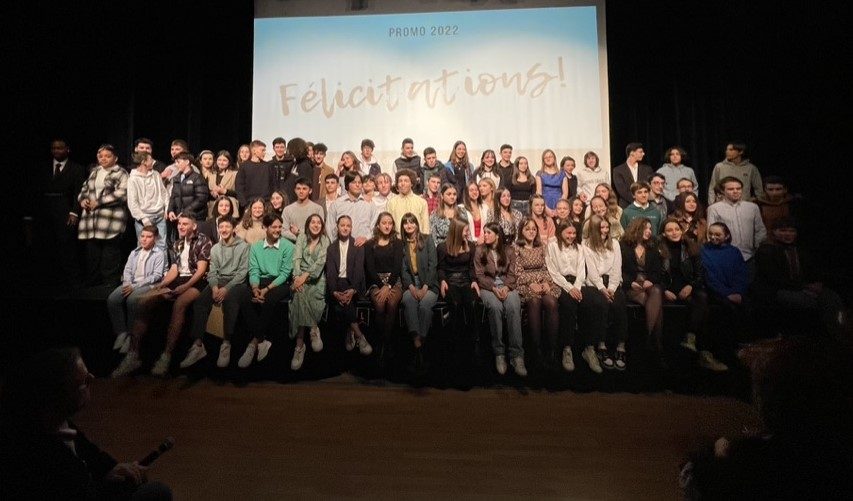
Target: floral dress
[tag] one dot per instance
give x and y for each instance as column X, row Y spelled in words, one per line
column 530, row 269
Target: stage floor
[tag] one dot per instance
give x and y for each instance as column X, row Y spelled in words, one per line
column 342, row 437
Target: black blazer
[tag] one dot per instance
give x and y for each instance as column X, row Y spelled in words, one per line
column 355, row 268
column 57, row 196
column 630, row 268
column 41, row 466
column 622, row 181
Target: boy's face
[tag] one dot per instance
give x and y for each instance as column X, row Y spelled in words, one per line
column 733, row 191
column 506, row 154
column 319, row 157
column 775, row 191
column 658, row 185
column 641, row 196
column 408, row 150
column 279, row 149
column 366, row 151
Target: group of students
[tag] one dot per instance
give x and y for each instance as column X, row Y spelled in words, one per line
column 571, row 246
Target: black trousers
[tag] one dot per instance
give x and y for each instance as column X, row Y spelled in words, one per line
column 103, row 261
column 261, row 318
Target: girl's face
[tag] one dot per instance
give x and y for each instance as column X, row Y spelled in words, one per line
column 349, row 161
column 106, row 158
column 315, row 226
column 598, row 207
column 276, row 200
column 466, row 233
column 690, row 205
column 485, row 189
column 672, row 232
column 569, row 166
column 590, row 162
column 460, row 151
column 522, row 165
column 506, row 198
column 257, row 210
column 206, row 161
column 562, row 210
column 449, row 196
column 605, row 230
column 578, row 207
column 549, row 159
column 647, row 232
column 489, row 159
column 244, row 154
column 529, row 231
column 222, row 162
column 603, row 192
column 675, row 157
column 223, row 207
column 537, row 206
column 473, row 192
column 386, row 224
column 409, row 228
column 569, row 234
column 716, row 235
column 489, row 237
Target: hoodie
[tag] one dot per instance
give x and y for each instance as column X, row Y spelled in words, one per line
column 229, row 263
column 147, row 197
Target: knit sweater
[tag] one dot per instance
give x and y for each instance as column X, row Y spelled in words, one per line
column 725, row 270
column 267, row 262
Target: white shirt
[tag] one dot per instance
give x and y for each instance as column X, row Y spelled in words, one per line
column 268, row 245
column 61, row 165
column 139, row 274
column 184, row 261
column 744, row 222
column 635, row 170
column 566, row 261
column 344, row 246
column 607, row 263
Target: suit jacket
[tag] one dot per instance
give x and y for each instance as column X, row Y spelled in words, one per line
column 41, row 466
column 622, row 181
column 56, row 197
column 355, row 268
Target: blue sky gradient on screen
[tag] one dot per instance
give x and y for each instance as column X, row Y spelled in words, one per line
column 555, row 50
column 572, row 24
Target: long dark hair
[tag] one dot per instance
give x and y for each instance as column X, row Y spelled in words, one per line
column 520, row 240
column 308, row 223
column 419, row 237
column 681, row 213
column 562, row 227
column 499, row 247
column 378, row 234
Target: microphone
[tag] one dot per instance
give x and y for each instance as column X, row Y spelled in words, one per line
column 161, row 449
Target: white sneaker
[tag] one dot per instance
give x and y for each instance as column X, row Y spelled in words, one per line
column 689, row 342
column 592, row 359
column 518, row 366
column 298, row 358
column 248, row 356
column 363, row 346
column 568, row 361
column 128, row 364
column 125, row 347
column 500, row 364
column 350, row 341
column 161, row 366
column 263, row 349
column 316, row 340
column 707, row 361
column 224, row 355
column 196, row 353
column 120, row 340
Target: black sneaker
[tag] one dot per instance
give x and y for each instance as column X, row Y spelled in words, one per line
column 604, row 358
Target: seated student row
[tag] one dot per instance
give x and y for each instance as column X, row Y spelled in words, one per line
column 387, row 302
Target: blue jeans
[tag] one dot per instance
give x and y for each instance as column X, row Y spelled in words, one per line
column 121, row 321
column 511, row 306
column 160, row 223
column 419, row 313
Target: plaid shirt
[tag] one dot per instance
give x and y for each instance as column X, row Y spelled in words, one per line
column 109, row 218
column 200, row 247
column 432, row 203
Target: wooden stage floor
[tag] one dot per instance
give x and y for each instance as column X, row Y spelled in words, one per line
column 344, row 438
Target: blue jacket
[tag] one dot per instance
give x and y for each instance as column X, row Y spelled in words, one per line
column 725, row 270
column 155, row 267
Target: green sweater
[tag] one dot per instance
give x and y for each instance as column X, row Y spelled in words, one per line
column 269, row 262
column 229, row 263
column 651, row 212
